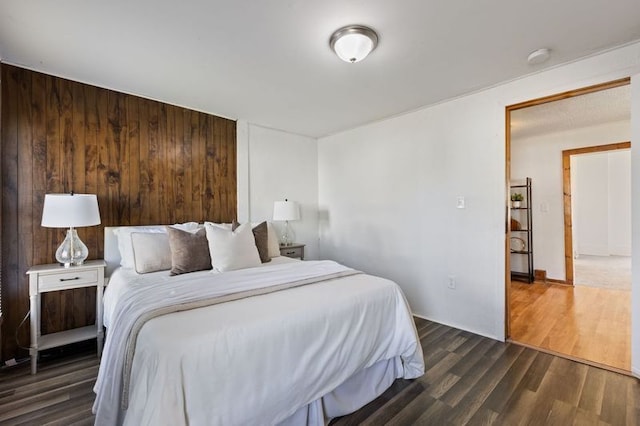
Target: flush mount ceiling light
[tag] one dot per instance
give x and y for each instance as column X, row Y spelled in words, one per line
column 353, row 43
column 538, row 56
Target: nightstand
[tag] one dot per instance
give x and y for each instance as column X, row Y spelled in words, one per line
column 44, row 278
column 294, row 250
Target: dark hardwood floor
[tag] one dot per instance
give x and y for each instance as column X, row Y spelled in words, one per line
column 469, row 380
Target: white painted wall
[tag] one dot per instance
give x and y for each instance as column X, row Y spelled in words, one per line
column 601, row 199
column 540, row 158
column 387, row 195
column 620, row 203
column 591, row 209
column 278, row 165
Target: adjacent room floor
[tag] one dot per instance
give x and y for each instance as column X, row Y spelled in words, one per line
column 613, row 272
column 589, row 323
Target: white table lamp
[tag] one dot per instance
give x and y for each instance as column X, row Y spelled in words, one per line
column 286, row 210
column 70, row 211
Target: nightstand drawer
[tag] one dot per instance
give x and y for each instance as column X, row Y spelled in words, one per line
column 291, row 252
column 297, row 252
column 72, row 279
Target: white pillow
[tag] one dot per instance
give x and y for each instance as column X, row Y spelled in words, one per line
column 151, row 251
column 273, row 242
column 124, row 242
column 232, row 250
column 124, row 239
column 220, row 225
column 191, row 227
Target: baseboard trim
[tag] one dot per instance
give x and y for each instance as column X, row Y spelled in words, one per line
column 576, row 359
column 636, row 372
column 458, row 327
column 555, row 281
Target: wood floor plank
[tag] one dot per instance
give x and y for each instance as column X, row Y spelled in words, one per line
column 57, row 411
column 572, row 376
column 536, row 373
column 10, row 379
column 483, row 418
column 614, row 410
column 475, row 374
column 518, row 409
column 593, row 391
column 472, row 401
column 47, row 385
column 413, row 410
column 434, row 373
column 633, row 408
column 470, row 380
column 43, row 399
column 393, row 407
column 505, row 388
column 470, row 345
column 443, row 385
column 583, row 322
column 397, row 388
column 436, row 414
column 471, row 358
column 561, row 414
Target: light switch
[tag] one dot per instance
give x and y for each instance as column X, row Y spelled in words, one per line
column 460, row 202
column 544, row 207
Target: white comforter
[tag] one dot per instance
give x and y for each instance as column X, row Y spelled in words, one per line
column 255, row 360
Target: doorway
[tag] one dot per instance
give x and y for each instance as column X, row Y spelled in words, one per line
column 551, row 314
column 597, row 226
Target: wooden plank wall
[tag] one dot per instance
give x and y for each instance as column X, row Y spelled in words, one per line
column 148, row 162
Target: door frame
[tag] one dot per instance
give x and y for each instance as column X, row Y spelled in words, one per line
column 508, row 109
column 566, row 188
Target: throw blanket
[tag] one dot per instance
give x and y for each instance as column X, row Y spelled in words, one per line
column 147, row 302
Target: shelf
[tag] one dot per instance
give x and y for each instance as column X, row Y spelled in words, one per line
column 523, row 263
column 66, row 337
column 521, row 276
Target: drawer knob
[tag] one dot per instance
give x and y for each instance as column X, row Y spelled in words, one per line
column 291, row 252
column 69, row 279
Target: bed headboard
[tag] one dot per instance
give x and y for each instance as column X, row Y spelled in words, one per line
column 111, row 252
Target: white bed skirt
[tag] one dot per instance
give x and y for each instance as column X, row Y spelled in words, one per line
column 356, row 392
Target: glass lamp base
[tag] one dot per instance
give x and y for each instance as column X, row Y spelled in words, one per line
column 72, row 251
column 287, row 235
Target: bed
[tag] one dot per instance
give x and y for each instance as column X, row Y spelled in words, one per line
column 288, row 342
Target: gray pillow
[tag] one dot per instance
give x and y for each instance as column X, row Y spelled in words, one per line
column 189, row 251
column 261, row 235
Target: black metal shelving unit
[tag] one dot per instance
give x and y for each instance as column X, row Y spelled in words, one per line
column 525, row 235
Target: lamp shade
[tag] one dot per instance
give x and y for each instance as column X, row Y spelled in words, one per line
column 286, row 210
column 70, row 210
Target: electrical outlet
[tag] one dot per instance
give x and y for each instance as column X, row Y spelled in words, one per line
column 452, row 282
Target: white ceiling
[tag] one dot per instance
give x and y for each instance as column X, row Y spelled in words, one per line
column 269, row 62
column 605, row 106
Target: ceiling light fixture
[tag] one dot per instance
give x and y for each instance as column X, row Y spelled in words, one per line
column 538, row 56
column 353, row 43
